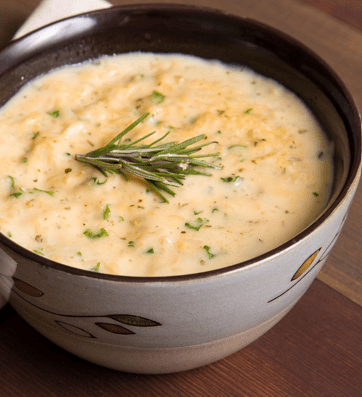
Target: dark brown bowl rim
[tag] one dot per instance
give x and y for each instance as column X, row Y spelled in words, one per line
column 352, row 175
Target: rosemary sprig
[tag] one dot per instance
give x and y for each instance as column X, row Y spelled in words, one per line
column 161, row 165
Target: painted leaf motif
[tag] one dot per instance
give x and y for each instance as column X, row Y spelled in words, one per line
column 75, row 330
column 27, row 288
column 136, row 321
column 114, row 328
column 305, row 266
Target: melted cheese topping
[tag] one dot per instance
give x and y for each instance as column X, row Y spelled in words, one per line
column 276, row 176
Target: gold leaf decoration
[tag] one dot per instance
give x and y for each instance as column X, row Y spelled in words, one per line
column 305, row 266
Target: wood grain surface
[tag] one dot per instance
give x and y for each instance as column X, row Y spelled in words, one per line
column 347, row 11
column 316, row 350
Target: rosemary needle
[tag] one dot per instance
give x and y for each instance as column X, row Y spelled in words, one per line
column 160, row 164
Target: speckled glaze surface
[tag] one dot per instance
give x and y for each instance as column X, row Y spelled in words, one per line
column 163, row 325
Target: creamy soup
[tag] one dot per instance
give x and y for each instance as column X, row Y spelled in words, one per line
column 275, row 177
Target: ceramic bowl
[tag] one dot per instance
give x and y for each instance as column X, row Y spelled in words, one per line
column 170, row 324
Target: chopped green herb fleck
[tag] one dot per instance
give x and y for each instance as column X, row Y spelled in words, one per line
column 197, row 225
column 96, row 181
column 96, row 267
column 214, row 210
column 106, row 212
column 12, row 182
column 237, row 146
column 94, row 235
column 150, row 251
column 67, row 170
column 10, row 235
column 248, row 111
column 68, row 154
column 157, row 97
column 207, row 249
column 54, row 113
column 16, row 194
column 35, row 135
column 131, row 243
column 39, row 252
column 79, row 253
column 197, row 212
column 50, row 192
column 120, row 218
column 25, row 160
column 230, row 179
column 316, row 194
column 218, row 132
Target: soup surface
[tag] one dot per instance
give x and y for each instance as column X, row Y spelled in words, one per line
column 275, row 176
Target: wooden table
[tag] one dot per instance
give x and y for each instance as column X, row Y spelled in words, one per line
column 316, row 350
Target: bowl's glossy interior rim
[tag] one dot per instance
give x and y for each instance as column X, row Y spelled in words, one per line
column 353, row 173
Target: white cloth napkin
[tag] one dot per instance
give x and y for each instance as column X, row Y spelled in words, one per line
column 50, row 11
